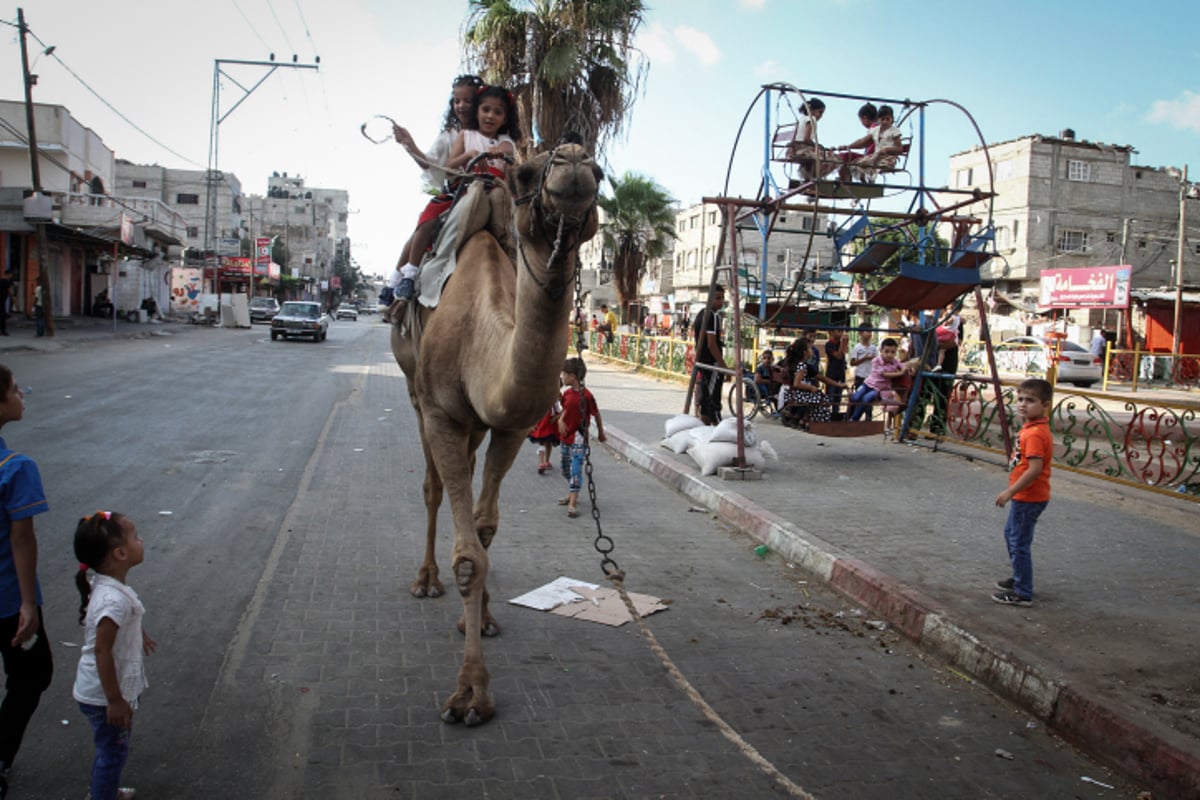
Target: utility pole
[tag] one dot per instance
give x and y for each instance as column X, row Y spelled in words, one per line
column 212, row 173
column 36, row 175
column 1177, row 341
column 1128, row 318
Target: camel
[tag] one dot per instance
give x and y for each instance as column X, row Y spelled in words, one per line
column 486, row 360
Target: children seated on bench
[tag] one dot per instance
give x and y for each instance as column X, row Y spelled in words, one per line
column 884, row 149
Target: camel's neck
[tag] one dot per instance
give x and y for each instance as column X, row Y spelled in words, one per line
column 545, row 295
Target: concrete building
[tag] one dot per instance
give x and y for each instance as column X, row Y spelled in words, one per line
column 98, row 239
column 798, row 247
column 1064, row 203
column 311, row 222
column 183, row 190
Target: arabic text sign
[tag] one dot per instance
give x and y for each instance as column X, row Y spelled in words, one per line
column 1085, row 287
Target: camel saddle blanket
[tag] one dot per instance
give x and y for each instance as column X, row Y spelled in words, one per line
column 485, row 206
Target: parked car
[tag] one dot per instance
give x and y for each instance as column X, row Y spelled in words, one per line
column 1030, row 355
column 263, row 309
column 346, row 311
column 300, row 318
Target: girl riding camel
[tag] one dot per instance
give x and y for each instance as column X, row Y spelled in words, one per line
column 492, row 130
column 433, row 161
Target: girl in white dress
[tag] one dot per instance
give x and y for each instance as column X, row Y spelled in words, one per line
column 111, row 676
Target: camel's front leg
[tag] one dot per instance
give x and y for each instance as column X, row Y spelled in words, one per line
column 450, row 446
column 502, row 451
column 428, row 583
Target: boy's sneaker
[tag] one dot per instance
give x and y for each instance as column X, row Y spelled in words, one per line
column 404, row 291
column 1012, row 599
column 1005, row 584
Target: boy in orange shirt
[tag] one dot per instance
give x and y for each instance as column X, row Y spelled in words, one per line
column 1028, row 489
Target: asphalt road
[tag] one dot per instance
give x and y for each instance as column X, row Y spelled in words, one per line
column 278, row 488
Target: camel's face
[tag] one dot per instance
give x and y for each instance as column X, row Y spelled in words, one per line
column 563, row 183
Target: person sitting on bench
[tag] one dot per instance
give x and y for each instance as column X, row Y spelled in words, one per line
column 803, row 401
column 804, row 150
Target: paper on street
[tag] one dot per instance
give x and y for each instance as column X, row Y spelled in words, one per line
column 578, row 599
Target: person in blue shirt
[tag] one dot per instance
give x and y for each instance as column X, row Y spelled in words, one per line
column 24, row 648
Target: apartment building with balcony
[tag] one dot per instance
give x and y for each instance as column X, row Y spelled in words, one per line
column 97, row 238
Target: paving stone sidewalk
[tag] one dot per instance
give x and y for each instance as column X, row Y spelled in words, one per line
column 1106, row 655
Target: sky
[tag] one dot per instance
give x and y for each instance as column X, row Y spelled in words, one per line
column 1114, row 72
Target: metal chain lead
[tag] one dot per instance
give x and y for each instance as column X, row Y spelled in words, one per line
column 604, row 544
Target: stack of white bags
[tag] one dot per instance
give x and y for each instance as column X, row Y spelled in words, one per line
column 715, row 446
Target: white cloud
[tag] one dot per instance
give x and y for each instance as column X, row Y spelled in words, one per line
column 1182, row 112
column 654, row 43
column 768, row 70
column 699, row 44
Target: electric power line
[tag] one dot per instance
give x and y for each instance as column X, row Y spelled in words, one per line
column 110, row 106
column 250, row 25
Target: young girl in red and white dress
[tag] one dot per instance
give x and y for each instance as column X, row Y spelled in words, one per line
column 545, row 436
column 947, row 338
column 492, row 129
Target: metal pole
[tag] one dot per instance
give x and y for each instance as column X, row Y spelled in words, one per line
column 1177, row 338
column 43, row 248
column 728, row 211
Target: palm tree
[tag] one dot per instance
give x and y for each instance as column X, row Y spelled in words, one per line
column 570, row 64
column 639, row 219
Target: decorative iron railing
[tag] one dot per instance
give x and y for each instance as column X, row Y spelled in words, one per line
column 1154, row 443
column 1149, row 442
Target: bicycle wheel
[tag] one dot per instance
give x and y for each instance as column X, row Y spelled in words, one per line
column 751, row 399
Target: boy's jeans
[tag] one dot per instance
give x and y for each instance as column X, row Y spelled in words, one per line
column 572, row 466
column 1018, row 535
column 112, row 750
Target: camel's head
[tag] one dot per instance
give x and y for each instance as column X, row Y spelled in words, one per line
column 556, row 193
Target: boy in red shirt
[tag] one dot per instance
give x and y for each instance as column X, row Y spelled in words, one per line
column 1028, row 489
column 578, row 410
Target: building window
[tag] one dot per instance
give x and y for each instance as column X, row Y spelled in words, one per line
column 1196, row 248
column 1079, row 171
column 1110, row 237
column 139, row 184
column 1141, row 244
column 682, row 226
column 187, row 199
column 710, row 254
column 1005, row 170
column 712, row 218
column 1072, row 241
column 964, row 177
column 193, row 232
column 693, row 220
column 1003, row 238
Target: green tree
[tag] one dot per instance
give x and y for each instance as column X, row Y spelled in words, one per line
column 570, row 64
column 639, row 222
